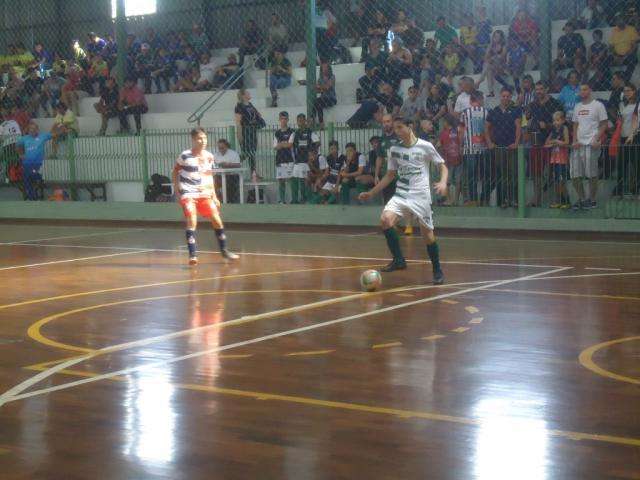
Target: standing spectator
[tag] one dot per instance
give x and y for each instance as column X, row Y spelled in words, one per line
column 44, row 58
column 361, row 20
column 413, row 105
column 451, row 145
column 368, row 174
column 250, row 41
column 484, row 29
column 599, row 62
column 616, row 98
column 65, row 125
column 524, row 30
column 277, row 35
column 163, row 71
column 110, row 51
column 401, row 24
column 592, row 16
column 570, row 93
column 589, row 126
column 445, row 34
column 624, row 46
column 131, row 102
column 31, row 151
column 505, row 124
column 559, row 142
column 570, row 47
column 628, row 151
column 352, row 171
column 284, row 155
column 144, row 63
column 107, row 106
column 198, row 39
column 541, row 112
column 435, row 105
column 399, row 63
column 325, row 91
column 495, row 62
column 133, row 45
column 469, row 43
column 303, row 140
column 425, row 76
column 280, row 73
column 207, row 72
column 476, row 142
column 248, row 122
column 463, row 101
column 527, row 94
column 413, row 37
column 20, row 116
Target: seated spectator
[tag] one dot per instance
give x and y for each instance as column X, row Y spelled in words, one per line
column 65, row 124
column 377, row 30
column 250, row 42
column 186, row 59
column 325, row 91
column 369, row 84
column 131, row 102
column 31, row 151
column 330, row 181
column 188, row 81
column 525, row 31
column 280, row 73
column 163, row 71
column 174, row 41
column 592, row 16
column 33, row 92
column 110, row 51
column 624, row 46
column 198, row 39
column 59, row 64
column 74, row 75
column 484, row 30
column 95, row 45
column 431, row 52
column 20, row 116
column 445, row 34
column 143, row 66
column 413, row 105
column 401, row 24
column 51, row 92
column 317, row 173
column 451, row 62
column 361, row 20
column 375, row 57
column 495, row 62
column 207, row 73
column 98, row 72
column 225, row 157
column 399, row 63
column 469, row 48
column 277, row 35
column 436, row 104
column 368, row 112
column 413, row 37
column 425, row 75
column 44, row 59
column 133, row 45
column 152, row 39
column 599, row 59
column 79, row 55
column 22, row 59
column 107, row 106
column 516, row 59
column 351, row 175
column 226, row 72
column 570, row 93
column 570, row 47
column 389, row 98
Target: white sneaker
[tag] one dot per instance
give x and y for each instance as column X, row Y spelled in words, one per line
column 229, row 255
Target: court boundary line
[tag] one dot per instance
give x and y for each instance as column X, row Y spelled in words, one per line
column 586, row 360
column 65, row 237
column 15, row 393
column 71, row 260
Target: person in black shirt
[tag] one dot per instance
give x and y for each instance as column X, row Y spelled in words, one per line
column 107, row 106
column 248, row 122
column 284, row 155
column 335, row 164
column 390, row 99
column 351, row 176
column 570, row 48
column 250, row 42
column 378, row 29
column 303, row 140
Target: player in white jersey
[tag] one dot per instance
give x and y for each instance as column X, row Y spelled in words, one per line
column 409, row 161
column 194, row 188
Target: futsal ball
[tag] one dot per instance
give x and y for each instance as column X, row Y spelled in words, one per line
column 370, row 280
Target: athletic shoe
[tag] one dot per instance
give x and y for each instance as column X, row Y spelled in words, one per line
column 394, row 265
column 438, row 277
column 565, row 206
column 193, row 260
column 592, row 204
column 555, row 205
column 229, row 255
column 576, row 206
column 408, row 230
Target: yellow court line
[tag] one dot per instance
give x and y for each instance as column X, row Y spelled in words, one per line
column 407, row 414
column 309, row 353
column 460, row 329
column 472, row 310
column 386, row 345
column 563, row 294
column 433, row 337
column 586, row 360
column 450, row 302
column 249, row 355
column 476, row 321
column 177, row 282
column 4, row 451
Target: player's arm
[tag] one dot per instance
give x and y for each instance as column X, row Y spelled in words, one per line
column 441, row 186
column 382, row 184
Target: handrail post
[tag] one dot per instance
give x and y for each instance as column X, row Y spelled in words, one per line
column 522, row 183
column 145, row 158
column 231, row 136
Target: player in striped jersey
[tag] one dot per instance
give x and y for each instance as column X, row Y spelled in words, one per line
column 194, row 187
column 409, row 161
column 473, row 122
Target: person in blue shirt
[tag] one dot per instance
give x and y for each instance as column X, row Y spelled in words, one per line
column 569, row 94
column 31, row 148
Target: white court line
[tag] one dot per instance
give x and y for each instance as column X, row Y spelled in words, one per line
column 603, row 269
column 66, row 237
column 70, row 260
column 181, row 249
column 15, row 393
column 591, row 275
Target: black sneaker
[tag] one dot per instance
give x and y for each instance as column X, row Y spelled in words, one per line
column 438, row 277
column 576, row 206
column 593, row 204
column 394, row 265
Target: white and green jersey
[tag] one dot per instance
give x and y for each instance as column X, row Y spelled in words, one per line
column 412, row 166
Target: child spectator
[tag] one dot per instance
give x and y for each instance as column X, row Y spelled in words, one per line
column 280, row 73
column 476, row 142
column 352, row 173
column 65, row 124
column 284, row 155
column 558, row 142
column 450, row 145
column 331, row 178
column 570, row 93
column 303, row 139
column 317, row 171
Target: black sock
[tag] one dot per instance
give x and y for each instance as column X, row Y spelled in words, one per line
column 393, row 242
column 191, row 242
column 222, row 238
column 434, row 255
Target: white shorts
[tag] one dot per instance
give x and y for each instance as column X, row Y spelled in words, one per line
column 284, row 171
column 329, row 186
column 412, row 207
column 300, row 170
column 584, row 162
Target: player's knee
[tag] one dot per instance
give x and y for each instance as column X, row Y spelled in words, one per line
column 386, row 222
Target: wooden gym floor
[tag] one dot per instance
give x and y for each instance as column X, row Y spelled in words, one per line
column 117, row 361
